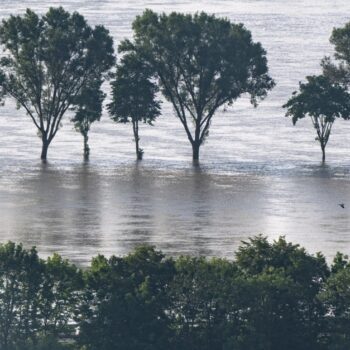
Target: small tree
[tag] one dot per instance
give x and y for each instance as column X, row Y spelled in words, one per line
column 202, row 62
column 48, row 60
column 323, row 101
column 133, row 96
column 88, row 110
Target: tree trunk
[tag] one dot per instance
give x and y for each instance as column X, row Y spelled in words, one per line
column 323, row 154
column 195, row 151
column 86, row 147
column 44, row 149
column 139, row 152
column 137, row 146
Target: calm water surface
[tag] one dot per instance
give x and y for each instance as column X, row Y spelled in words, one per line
column 258, row 173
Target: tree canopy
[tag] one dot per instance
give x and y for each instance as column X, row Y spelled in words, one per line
column 202, row 62
column 48, row 60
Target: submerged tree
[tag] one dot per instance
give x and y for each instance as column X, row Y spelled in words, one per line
column 88, row 110
column 323, row 101
column 202, row 62
column 134, row 96
column 47, row 62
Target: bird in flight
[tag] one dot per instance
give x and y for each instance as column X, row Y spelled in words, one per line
column 342, row 205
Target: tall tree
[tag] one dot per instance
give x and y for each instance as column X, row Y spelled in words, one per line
column 134, row 96
column 48, row 60
column 323, row 101
column 88, row 108
column 202, row 62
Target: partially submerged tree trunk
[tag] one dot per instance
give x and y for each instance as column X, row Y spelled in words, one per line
column 44, row 149
column 86, row 147
column 323, row 148
column 195, row 151
column 139, row 151
column 323, row 129
column 196, row 143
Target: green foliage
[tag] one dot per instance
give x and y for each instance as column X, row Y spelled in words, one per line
column 125, row 301
column 20, row 280
column 268, row 321
column 339, row 70
column 134, row 92
column 48, row 60
column 204, row 311
column 49, row 343
column 322, row 100
column 60, row 295
column 341, row 40
column 258, row 255
column 36, row 297
column 134, row 95
column 319, row 97
column 336, row 297
column 273, row 296
column 202, row 62
column 340, row 261
column 281, row 304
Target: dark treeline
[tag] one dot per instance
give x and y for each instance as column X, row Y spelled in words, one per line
column 55, row 64
column 271, row 296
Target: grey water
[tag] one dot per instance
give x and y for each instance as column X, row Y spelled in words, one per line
column 258, row 173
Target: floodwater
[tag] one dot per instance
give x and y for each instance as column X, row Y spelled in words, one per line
column 258, row 173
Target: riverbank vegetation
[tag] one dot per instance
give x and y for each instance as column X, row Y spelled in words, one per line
column 269, row 296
